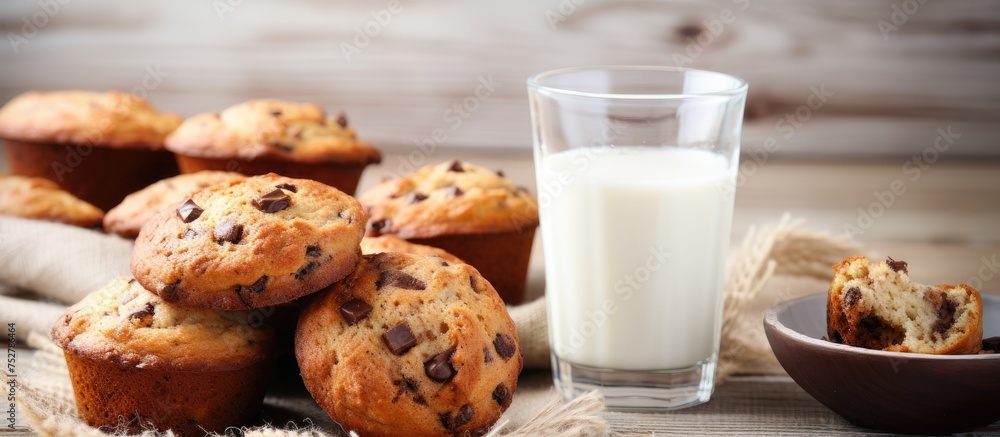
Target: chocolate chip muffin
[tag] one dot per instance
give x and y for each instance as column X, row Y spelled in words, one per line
column 409, row 345
column 392, row 243
column 98, row 146
column 41, row 199
column 876, row 306
column 138, row 360
column 128, row 217
column 474, row 213
column 250, row 243
column 261, row 136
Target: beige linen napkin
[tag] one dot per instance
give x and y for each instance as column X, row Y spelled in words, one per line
column 62, row 264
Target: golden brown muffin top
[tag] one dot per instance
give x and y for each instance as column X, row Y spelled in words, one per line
column 125, row 323
column 300, row 132
column 110, row 119
column 409, row 345
column 449, row 198
column 250, row 243
column 137, row 208
column 42, row 199
column 392, row 243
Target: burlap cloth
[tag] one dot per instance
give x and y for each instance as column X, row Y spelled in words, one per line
column 46, row 266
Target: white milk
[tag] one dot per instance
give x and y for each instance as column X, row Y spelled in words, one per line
column 635, row 243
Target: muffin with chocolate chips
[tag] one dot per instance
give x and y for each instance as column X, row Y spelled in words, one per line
column 256, row 242
column 407, row 345
column 98, row 146
column 127, row 218
column 261, row 136
column 877, row 306
column 138, row 360
column 474, row 213
column 41, row 199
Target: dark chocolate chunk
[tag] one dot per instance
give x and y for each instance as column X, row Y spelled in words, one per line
column 505, row 346
column 273, row 202
column 313, row 251
column 501, row 394
column 417, row 197
column 144, row 316
column 288, row 187
column 282, row 146
column 189, row 211
column 500, row 173
column 378, row 225
column 836, row 338
column 946, row 316
column 399, row 338
column 897, row 265
column 306, row 269
column 190, row 233
column 257, row 287
column 456, row 192
column 228, row 230
column 456, row 166
column 439, row 367
column 445, row 263
column 170, row 292
column 474, row 284
column 487, row 355
column 276, row 112
column 342, row 120
column 397, row 278
column 991, row 344
column 852, row 296
column 355, row 310
column 406, row 386
column 456, row 419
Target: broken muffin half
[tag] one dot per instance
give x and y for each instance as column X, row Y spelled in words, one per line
column 876, row 306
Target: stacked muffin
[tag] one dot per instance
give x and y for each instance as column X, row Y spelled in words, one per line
column 472, row 212
column 186, row 344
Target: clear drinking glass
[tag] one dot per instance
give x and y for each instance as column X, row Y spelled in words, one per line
column 636, row 169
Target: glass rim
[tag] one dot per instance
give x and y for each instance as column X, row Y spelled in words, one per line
column 534, row 82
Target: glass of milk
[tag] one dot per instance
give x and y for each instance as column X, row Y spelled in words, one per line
column 636, row 169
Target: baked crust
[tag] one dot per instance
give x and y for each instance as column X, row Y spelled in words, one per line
column 125, row 324
column 298, row 132
column 448, row 199
column 392, row 243
column 42, row 199
column 235, row 255
column 137, row 208
column 109, row 119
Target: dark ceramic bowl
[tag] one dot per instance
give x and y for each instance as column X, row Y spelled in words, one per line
column 891, row 391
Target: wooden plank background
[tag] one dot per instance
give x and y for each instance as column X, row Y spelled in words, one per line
column 893, row 86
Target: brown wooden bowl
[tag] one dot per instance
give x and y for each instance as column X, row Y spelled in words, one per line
column 891, row 391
